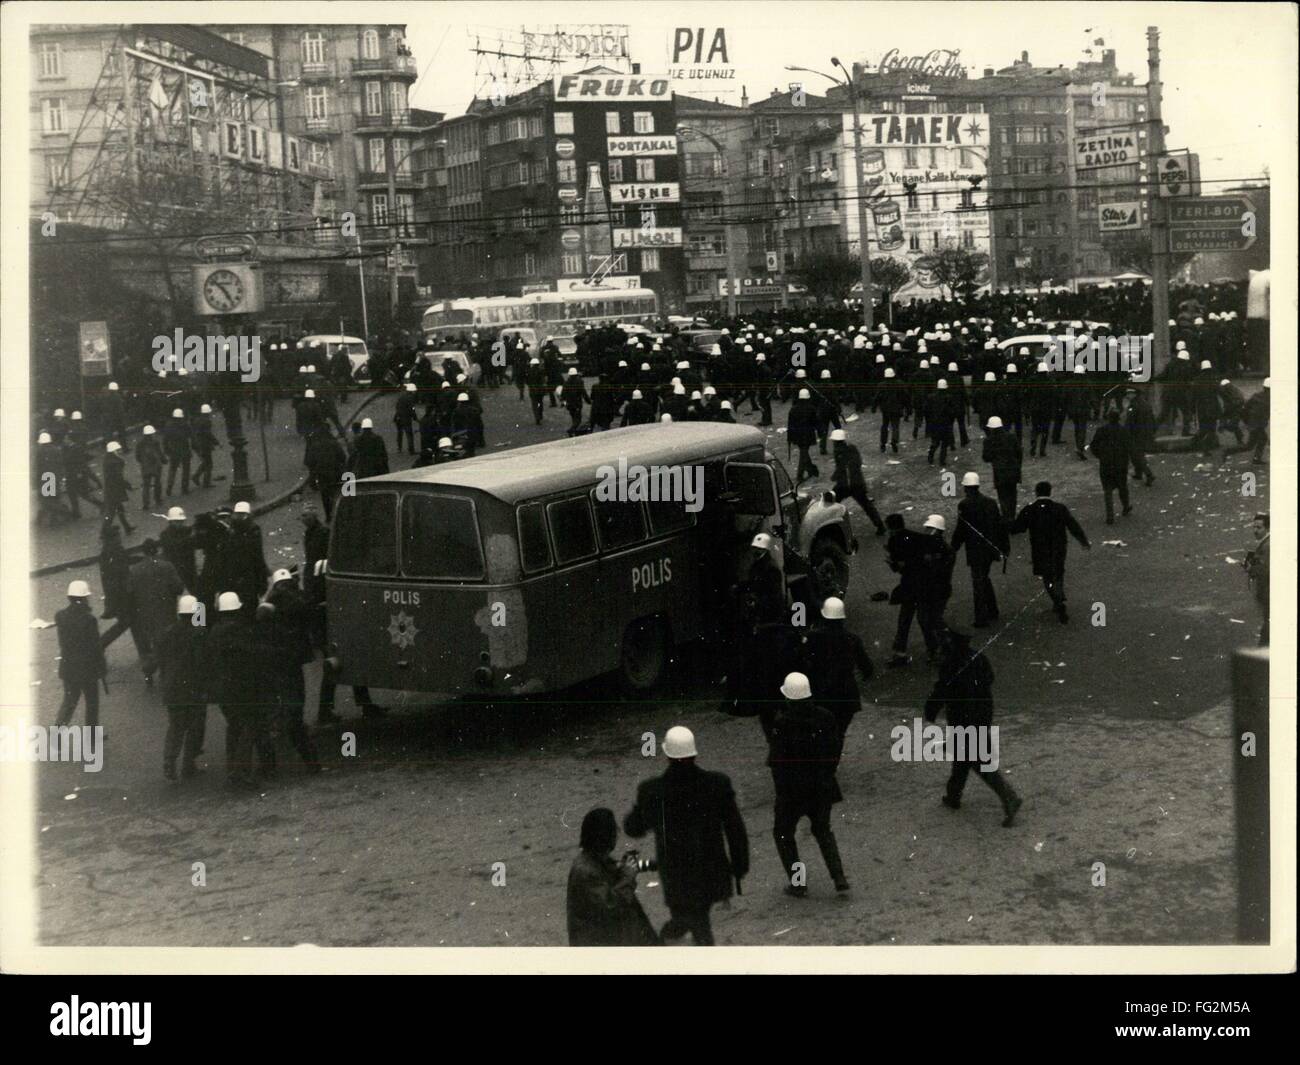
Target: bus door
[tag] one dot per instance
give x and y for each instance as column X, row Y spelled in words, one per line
column 755, row 499
column 570, row 607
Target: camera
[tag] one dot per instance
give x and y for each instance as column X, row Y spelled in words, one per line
column 641, row 865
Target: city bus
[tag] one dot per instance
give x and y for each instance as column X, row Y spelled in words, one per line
column 551, row 314
column 510, row 574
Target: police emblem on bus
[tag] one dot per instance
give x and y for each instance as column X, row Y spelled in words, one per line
column 402, row 630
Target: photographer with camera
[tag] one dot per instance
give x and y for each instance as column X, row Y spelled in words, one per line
column 700, row 840
column 603, row 910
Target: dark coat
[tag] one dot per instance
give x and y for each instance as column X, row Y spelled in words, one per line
column 1112, row 447
column 247, row 564
column 804, row 753
column 848, row 467
column 155, row 587
column 185, row 661
column 177, row 543
column 933, row 568
column 964, row 690
column 149, row 454
column 1047, row 523
column 700, row 840
column 835, row 659
column 81, row 658
column 115, row 483
column 372, row 455
column 980, row 530
column 602, row 907
column 325, row 460
column 234, row 652
column 1003, row 452
column 802, row 423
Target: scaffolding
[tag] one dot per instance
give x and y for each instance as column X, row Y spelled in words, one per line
column 183, row 136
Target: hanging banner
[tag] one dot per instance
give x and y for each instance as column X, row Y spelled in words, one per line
column 666, row 237
column 617, row 146
column 96, row 350
column 1114, row 148
column 1115, row 217
column 646, row 192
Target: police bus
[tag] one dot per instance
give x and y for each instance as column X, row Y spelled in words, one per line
column 550, row 313
column 513, row 573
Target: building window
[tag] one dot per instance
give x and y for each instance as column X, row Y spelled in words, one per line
column 566, row 170
column 313, row 49
column 530, row 263
column 52, row 115
column 374, row 98
column 56, row 172
column 645, row 170
column 406, row 213
column 615, row 170
column 571, row 263
column 934, row 158
column 402, row 156
column 51, row 60
column 612, row 123
column 914, row 242
column 968, row 238
column 643, row 122
column 317, row 105
column 570, row 214
column 909, row 194
column 379, row 209
column 650, row 261
column 370, row 44
column 535, row 126
column 563, row 121
column 771, row 127
column 397, row 99
column 934, row 201
column 911, row 159
column 376, row 149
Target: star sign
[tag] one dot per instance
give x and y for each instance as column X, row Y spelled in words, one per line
column 974, row 130
column 402, row 630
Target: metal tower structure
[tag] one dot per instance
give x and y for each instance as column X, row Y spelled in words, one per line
column 508, row 61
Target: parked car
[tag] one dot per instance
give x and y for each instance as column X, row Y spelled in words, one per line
column 329, row 344
column 468, row 366
column 564, row 343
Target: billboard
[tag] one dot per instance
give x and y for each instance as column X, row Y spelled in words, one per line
column 606, row 88
column 665, row 237
column 647, row 145
column 1116, row 148
column 646, row 192
column 1115, row 217
column 96, row 350
column 923, row 131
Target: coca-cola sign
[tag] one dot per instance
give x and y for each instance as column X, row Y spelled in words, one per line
column 939, row 63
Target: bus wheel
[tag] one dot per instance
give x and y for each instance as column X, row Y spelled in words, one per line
column 645, row 654
column 831, row 567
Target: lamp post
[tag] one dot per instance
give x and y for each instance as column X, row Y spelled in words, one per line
column 733, row 279
column 864, row 253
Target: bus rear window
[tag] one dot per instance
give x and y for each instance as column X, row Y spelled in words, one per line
column 365, row 535
column 571, row 529
column 534, row 549
column 440, row 538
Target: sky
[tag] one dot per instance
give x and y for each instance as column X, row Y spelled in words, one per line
column 1225, row 66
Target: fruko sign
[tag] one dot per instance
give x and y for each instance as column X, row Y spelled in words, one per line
column 646, row 192
column 635, row 87
column 1117, row 148
column 616, row 146
column 666, row 237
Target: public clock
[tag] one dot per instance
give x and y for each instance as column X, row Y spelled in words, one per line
column 223, row 290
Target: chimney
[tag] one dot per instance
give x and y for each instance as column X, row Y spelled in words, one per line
column 1024, row 57
column 988, row 72
column 744, row 96
column 636, row 68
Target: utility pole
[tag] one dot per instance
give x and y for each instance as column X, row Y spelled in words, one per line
column 1159, row 219
column 864, row 253
column 394, row 229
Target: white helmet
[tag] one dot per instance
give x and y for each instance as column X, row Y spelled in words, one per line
column 463, row 397
column 801, row 373
column 990, row 376
column 112, row 386
column 942, row 383
column 1206, row 364
column 178, row 413
column 205, row 409
column 366, row 423
column 826, row 375
column 187, row 604
column 763, row 541
column 889, row 371
column 309, row 394
column 1180, row 345
column 113, row 447
column 995, row 422
column 838, row 434
column 679, row 389
column 666, row 418
column 726, row 405
column 1266, row 381
column 679, row 742
column 683, row 365
column 1081, row 368
column 410, row 386
column 76, row 415
column 148, row 430
column 804, row 394
column 78, row 590
column 879, row 359
column 796, row 686
column 175, row 514
column 925, row 364
column 636, row 393
column 970, row 480
column 952, row 367
column 696, row 395
column 242, row 507
column 1011, row 368
column 44, row 438
column 228, row 601
column 280, row 575
column 709, row 390
column 935, row 521
column 444, row 441
column 833, row 609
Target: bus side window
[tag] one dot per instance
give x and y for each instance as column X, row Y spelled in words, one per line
column 620, row 523
column 571, row 529
column 669, row 516
column 534, row 548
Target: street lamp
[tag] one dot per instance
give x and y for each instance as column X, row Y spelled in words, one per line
column 733, row 279
column 864, row 251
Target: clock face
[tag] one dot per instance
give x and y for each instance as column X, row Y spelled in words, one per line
column 223, row 290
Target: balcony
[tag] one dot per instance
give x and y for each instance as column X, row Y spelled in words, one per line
column 400, row 66
column 386, row 119
column 323, row 70
column 407, row 179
